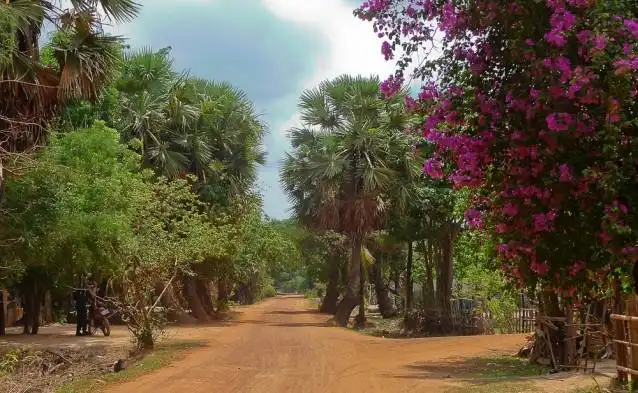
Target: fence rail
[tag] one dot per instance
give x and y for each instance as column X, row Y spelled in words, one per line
column 626, row 341
column 526, row 321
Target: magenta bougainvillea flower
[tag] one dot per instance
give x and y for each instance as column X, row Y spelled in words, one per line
column 541, row 130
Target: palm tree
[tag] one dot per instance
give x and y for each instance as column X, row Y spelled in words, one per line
column 234, row 132
column 190, row 126
column 81, row 61
column 342, row 166
column 153, row 109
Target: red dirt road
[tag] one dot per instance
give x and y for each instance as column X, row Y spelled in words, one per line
column 282, row 346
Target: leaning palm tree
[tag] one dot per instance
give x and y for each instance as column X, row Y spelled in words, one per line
column 343, row 166
column 81, row 60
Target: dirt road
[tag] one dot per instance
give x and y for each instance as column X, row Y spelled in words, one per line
column 282, row 346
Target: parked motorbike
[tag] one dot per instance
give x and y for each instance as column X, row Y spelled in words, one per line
column 98, row 319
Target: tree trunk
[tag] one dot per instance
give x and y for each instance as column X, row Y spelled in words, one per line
column 3, row 298
column 329, row 303
column 3, row 311
column 222, row 295
column 175, row 311
column 352, row 296
column 409, row 287
column 30, row 294
column 429, row 299
column 205, row 296
column 550, row 307
column 360, row 320
column 37, row 302
column 444, row 282
column 242, row 293
column 48, row 308
column 190, row 293
column 386, row 307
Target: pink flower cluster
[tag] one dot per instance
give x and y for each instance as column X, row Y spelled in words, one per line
column 539, row 128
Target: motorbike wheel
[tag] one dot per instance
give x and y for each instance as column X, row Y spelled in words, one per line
column 106, row 327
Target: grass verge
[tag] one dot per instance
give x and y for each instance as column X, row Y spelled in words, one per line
column 504, row 367
column 498, row 387
column 162, row 356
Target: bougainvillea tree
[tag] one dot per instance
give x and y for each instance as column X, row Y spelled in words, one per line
column 533, row 105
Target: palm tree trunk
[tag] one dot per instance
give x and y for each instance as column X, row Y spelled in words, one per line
column 360, row 321
column 352, row 296
column 386, row 308
column 329, row 303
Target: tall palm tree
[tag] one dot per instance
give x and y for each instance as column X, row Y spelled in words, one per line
column 31, row 92
column 342, row 166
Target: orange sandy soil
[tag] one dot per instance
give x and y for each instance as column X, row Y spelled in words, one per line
column 282, row 345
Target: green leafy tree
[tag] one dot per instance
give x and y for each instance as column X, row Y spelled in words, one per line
column 70, row 213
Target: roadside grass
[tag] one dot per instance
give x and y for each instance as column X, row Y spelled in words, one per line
column 504, row 367
column 162, row 356
column 498, row 387
column 508, row 374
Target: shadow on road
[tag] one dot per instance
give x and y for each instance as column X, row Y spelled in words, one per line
column 282, row 324
column 293, row 312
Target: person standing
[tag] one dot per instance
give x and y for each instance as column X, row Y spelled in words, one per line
column 81, row 298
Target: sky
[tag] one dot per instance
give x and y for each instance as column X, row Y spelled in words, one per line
column 271, row 49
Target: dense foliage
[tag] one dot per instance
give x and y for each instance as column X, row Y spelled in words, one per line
column 531, row 104
column 145, row 176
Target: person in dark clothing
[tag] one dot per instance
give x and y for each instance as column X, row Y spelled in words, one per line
column 81, row 297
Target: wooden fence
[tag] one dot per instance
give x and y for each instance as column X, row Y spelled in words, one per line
column 526, row 320
column 626, row 341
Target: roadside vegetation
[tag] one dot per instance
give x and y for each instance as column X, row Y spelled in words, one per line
column 506, row 182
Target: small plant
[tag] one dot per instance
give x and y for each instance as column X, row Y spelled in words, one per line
column 10, row 361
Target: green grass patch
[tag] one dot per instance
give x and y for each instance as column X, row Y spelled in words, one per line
column 503, row 367
column 162, row 356
column 497, row 387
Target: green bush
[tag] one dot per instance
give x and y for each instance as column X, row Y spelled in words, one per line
column 266, row 287
column 317, row 292
column 503, row 310
column 296, row 284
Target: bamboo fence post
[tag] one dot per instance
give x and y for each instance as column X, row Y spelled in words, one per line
column 619, row 334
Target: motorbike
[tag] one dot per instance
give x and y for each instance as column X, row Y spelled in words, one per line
column 98, row 319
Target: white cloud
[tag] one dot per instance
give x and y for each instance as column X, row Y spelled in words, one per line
column 353, row 46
